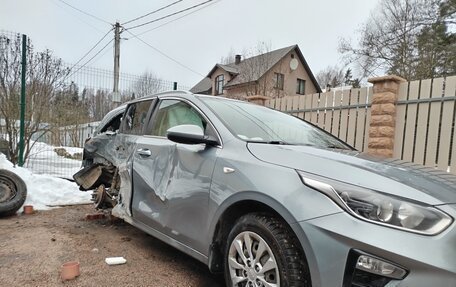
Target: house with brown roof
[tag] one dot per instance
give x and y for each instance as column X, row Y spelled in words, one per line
column 278, row 73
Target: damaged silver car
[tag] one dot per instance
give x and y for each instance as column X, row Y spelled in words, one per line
column 269, row 199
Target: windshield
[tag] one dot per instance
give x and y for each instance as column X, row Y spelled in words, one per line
column 254, row 123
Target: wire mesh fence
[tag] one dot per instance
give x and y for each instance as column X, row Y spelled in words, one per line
column 64, row 103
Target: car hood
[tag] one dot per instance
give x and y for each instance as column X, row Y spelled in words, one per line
column 391, row 176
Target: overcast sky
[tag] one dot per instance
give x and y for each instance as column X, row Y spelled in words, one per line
column 197, row 41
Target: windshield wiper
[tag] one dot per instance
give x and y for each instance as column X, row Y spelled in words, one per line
column 279, row 142
column 336, row 147
column 275, row 142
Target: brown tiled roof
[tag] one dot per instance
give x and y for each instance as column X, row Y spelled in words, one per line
column 203, row 86
column 231, row 68
column 251, row 69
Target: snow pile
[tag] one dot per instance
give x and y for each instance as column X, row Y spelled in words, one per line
column 45, row 190
column 44, row 160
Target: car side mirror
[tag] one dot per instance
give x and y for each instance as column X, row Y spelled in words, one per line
column 190, row 134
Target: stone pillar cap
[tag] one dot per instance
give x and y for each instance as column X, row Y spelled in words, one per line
column 386, row 78
column 257, row 97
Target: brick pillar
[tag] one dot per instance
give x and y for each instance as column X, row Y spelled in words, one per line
column 383, row 115
column 259, row 100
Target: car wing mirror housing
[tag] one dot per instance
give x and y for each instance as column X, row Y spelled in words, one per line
column 190, row 134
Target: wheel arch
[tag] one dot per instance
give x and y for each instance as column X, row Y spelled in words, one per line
column 241, row 204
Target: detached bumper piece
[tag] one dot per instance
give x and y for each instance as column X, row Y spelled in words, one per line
column 91, row 177
column 365, row 270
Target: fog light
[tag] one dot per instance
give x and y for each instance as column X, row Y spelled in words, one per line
column 379, row 267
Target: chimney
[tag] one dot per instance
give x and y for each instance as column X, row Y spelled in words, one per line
column 237, row 59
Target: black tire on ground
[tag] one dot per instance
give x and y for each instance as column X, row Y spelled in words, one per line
column 291, row 261
column 13, row 192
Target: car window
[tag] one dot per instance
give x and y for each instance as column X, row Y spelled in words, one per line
column 135, row 117
column 113, row 125
column 171, row 113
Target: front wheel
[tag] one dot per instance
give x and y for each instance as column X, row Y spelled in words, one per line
column 263, row 252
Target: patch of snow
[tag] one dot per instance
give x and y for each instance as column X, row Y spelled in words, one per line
column 72, row 150
column 45, row 190
column 44, row 160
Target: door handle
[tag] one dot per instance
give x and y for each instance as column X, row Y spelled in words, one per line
column 144, row 152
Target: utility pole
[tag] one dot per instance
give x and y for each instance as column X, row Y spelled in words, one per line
column 116, row 95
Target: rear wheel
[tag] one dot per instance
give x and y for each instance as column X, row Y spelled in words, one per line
column 13, row 192
column 263, row 252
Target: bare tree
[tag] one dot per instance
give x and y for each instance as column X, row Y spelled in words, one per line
column 229, row 58
column 331, row 76
column 389, row 40
column 44, row 75
column 69, row 112
column 148, row 84
column 98, row 103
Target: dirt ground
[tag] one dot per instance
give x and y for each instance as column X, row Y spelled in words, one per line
column 33, row 247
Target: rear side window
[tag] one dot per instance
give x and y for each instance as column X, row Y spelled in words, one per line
column 172, row 113
column 113, row 125
column 135, row 118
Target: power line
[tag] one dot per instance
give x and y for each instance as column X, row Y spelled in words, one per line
column 150, row 13
column 178, row 18
column 102, row 55
column 91, row 49
column 86, row 13
column 74, row 15
column 169, row 15
column 85, row 64
column 163, row 54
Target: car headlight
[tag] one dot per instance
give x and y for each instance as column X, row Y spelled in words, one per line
column 380, row 208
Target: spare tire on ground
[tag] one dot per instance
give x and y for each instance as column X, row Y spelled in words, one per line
column 13, row 192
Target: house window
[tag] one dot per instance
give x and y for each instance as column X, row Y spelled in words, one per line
column 278, row 81
column 300, row 87
column 219, row 81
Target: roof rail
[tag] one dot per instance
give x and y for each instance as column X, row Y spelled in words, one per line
column 174, row 92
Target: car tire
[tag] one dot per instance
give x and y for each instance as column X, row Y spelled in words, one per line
column 13, row 192
column 273, row 247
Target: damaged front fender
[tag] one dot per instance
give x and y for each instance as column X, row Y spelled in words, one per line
column 100, row 149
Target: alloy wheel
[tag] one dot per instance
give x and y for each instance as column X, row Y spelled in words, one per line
column 251, row 262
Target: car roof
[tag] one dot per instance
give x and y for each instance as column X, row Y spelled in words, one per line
column 159, row 95
column 180, row 93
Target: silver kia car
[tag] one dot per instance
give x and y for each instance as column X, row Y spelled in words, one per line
column 269, row 199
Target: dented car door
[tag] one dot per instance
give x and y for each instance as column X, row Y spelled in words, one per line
column 133, row 123
column 172, row 181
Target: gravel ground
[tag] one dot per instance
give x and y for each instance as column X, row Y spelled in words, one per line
column 33, row 247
